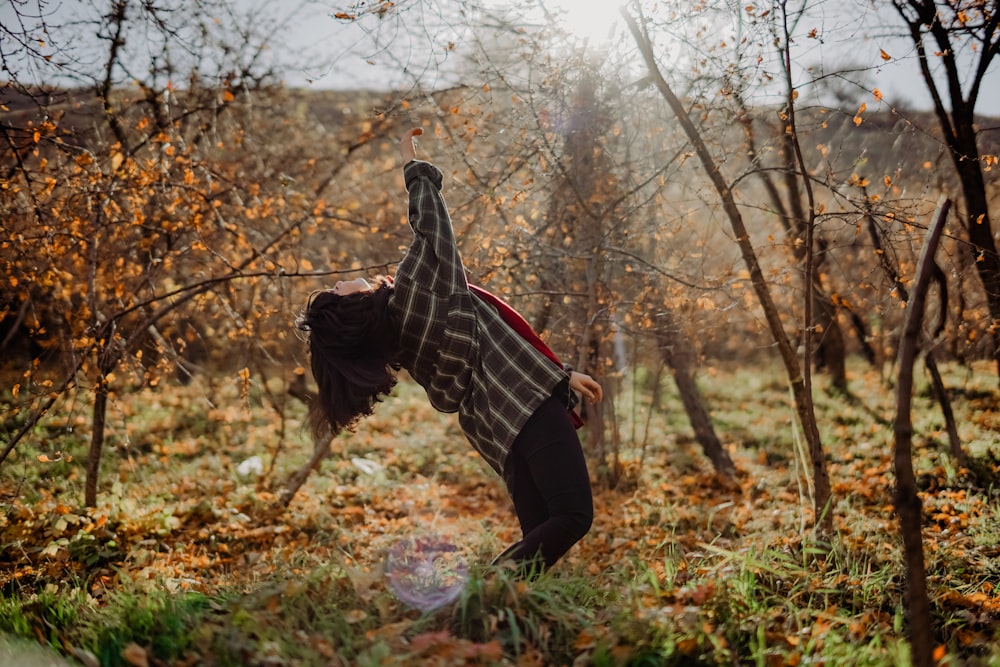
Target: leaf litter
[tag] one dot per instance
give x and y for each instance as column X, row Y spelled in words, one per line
column 706, row 560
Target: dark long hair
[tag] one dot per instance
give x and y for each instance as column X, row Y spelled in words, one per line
column 352, row 345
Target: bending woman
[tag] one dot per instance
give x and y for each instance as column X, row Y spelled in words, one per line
column 458, row 343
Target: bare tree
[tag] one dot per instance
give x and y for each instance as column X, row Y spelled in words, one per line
column 679, row 356
column 800, row 387
column 945, row 34
column 132, row 204
column 907, row 501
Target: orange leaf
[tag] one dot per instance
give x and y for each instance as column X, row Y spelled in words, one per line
column 584, row 640
column 885, row 56
column 688, row 645
column 421, row 643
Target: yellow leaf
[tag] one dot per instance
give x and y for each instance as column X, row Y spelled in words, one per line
column 135, row 655
column 355, row 616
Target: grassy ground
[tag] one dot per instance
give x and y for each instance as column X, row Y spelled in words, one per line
column 185, row 561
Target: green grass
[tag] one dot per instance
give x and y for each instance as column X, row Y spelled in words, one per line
column 186, row 560
column 759, row 608
column 68, row 618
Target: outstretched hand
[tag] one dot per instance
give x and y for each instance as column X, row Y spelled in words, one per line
column 586, row 385
column 407, row 146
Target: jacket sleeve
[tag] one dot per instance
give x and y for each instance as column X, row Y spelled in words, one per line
column 429, row 219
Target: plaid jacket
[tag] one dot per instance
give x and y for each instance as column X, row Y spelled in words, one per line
column 455, row 345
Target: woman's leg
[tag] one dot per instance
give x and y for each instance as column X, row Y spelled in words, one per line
column 548, row 482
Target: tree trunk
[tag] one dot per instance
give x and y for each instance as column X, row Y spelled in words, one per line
column 321, row 449
column 937, row 382
column 954, row 441
column 609, row 472
column 579, row 208
column 791, row 212
column 957, row 119
column 677, row 354
column 908, row 504
column 96, row 439
column 981, row 236
column 800, row 390
column 831, row 353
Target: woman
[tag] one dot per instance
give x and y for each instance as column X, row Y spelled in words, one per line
column 473, row 355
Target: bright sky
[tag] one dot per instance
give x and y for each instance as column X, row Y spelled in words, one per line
column 846, row 39
column 410, row 44
column 588, row 19
column 410, row 37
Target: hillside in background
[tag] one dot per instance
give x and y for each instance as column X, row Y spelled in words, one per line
column 333, row 152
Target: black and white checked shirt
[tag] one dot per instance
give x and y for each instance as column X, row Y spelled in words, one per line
column 455, row 345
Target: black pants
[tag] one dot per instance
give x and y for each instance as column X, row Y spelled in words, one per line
column 546, row 475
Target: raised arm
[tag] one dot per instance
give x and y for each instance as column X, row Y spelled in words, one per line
column 407, row 145
column 430, row 220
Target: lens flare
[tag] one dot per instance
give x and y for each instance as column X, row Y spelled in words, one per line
column 426, row 572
